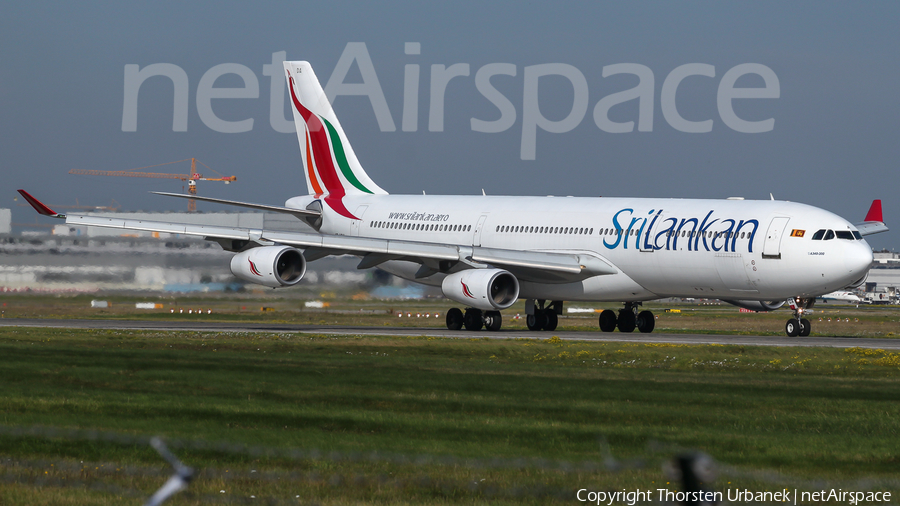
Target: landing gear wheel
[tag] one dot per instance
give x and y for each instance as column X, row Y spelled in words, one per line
column 454, row 319
column 536, row 321
column 607, row 321
column 805, row 327
column 493, row 320
column 792, row 327
column 646, row 322
column 473, row 319
column 627, row 321
column 551, row 320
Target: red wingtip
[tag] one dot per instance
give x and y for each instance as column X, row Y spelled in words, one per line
column 37, row 205
column 874, row 213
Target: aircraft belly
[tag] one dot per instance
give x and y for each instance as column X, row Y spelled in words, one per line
column 407, row 270
column 616, row 287
column 675, row 274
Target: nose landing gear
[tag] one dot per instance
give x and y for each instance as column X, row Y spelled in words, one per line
column 798, row 325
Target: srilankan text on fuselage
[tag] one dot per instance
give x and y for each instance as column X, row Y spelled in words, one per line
column 657, row 230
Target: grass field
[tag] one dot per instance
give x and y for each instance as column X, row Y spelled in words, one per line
column 809, row 414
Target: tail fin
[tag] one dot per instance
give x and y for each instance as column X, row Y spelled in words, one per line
column 329, row 162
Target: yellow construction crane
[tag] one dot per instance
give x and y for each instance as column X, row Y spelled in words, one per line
column 192, row 177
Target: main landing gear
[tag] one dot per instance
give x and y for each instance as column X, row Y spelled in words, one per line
column 542, row 318
column 474, row 319
column 628, row 319
column 798, row 325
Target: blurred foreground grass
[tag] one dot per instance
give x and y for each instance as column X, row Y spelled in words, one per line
column 811, row 413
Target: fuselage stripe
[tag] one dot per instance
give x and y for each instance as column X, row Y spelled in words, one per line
column 310, row 171
column 341, row 157
column 322, row 152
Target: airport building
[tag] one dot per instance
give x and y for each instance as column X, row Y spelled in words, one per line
column 5, row 221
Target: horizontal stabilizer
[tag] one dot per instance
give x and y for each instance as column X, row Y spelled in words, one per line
column 871, row 227
column 299, row 213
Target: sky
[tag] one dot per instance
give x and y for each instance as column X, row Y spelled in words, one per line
column 824, row 75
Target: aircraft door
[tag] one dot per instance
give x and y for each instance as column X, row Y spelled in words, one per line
column 355, row 224
column 772, row 244
column 476, row 239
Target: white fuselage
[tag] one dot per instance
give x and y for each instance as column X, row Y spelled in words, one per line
column 724, row 249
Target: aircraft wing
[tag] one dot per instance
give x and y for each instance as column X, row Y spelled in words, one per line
column 299, row 213
column 539, row 266
column 874, row 221
column 526, row 265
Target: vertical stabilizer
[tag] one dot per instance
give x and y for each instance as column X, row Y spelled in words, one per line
column 329, row 162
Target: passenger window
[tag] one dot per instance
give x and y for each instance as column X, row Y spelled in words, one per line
column 818, row 235
column 829, row 235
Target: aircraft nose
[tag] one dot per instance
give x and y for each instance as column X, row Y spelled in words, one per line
column 858, row 258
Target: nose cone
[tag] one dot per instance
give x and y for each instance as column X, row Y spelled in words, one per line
column 858, row 258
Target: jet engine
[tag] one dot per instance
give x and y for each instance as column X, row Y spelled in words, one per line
column 486, row 289
column 273, row 266
column 756, row 305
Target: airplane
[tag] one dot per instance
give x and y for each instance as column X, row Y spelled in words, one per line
column 487, row 252
column 840, row 297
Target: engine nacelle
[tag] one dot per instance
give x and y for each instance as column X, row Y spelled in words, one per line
column 756, row 305
column 272, row 266
column 487, row 289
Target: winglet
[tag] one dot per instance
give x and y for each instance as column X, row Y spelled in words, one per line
column 874, row 213
column 874, row 222
column 39, row 206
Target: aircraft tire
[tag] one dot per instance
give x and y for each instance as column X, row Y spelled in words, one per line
column 550, row 320
column 607, row 321
column 473, row 320
column 805, row 327
column 493, row 320
column 627, row 321
column 645, row 322
column 792, row 327
column 454, row 319
column 536, row 321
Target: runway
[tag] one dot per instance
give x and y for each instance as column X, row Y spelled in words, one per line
column 202, row 326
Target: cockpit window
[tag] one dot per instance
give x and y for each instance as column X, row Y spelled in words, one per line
column 818, row 235
column 829, row 235
column 857, row 235
column 844, row 234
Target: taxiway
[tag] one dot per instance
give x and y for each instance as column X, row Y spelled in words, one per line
column 205, row 326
